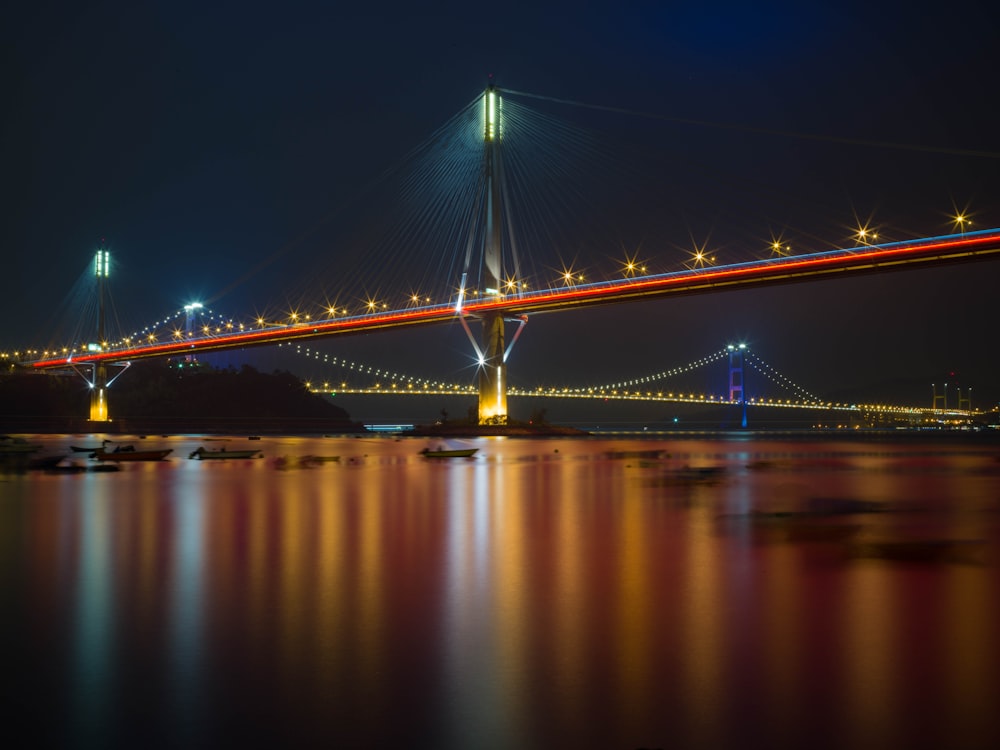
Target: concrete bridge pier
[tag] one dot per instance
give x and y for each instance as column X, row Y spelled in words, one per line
column 99, row 395
column 493, row 372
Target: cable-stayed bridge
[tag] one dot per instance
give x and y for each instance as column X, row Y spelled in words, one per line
column 486, row 282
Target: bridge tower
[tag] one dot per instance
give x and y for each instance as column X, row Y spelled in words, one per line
column 190, row 310
column 99, row 384
column 965, row 402
column 96, row 374
column 940, row 400
column 493, row 370
column 736, row 377
column 492, row 231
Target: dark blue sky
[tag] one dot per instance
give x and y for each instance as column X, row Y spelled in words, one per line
column 204, row 143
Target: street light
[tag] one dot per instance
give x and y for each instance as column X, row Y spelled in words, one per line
column 866, row 237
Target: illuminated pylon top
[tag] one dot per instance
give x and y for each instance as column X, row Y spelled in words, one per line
column 494, row 226
column 491, row 113
column 101, row 264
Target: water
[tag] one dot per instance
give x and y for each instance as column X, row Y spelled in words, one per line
column 565, row 593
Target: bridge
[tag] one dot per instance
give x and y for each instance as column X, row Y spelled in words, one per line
column 663, row 388
column 500, row 295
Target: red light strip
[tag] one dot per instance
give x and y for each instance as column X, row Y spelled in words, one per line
column 754, row 271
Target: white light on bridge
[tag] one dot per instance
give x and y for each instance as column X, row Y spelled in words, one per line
column 101, row 264
column 491, row 114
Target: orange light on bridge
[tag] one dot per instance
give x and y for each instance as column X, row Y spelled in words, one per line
column 962, row 222
column 865, row 236
column 632, row 266
column 700, row 258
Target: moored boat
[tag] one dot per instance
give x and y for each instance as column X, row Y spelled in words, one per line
column 221, row 454
column 87, row 448
column 445, row 453
column 129, row 453
column 16, row 446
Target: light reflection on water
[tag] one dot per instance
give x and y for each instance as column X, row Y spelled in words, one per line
column 547, row 593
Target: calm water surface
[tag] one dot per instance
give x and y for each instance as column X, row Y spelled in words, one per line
column 566, row 593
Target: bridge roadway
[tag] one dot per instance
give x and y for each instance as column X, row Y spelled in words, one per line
column 779, row 270
column 919, row 414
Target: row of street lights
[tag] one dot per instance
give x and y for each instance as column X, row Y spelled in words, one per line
column 630, row 268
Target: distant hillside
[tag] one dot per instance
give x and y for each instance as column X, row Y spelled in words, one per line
column 155, row 391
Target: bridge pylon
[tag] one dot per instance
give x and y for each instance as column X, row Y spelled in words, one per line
column 98, row 378
column 939, row 400
column 965, row 402
column 498, row 269
column 737, row 383
column 99, row 386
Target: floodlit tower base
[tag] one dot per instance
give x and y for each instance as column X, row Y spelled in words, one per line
column 99, row 406
column 99, row 395
column 493, row 374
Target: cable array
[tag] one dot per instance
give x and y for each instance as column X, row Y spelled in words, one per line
column 776, row 377
column 575, row 188
column 663, row 375
column 363, row 369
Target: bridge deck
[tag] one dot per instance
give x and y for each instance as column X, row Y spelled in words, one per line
column 790, row 269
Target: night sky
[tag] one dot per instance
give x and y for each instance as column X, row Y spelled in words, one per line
column 209, row 147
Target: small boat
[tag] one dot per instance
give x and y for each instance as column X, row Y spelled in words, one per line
column 16, row 446
column 129, row 453
column 647, row 455
column 221, row 454
column 444, row 453
column 688, row 475
column 922, row 550
column 100, row 468
column 86, row 448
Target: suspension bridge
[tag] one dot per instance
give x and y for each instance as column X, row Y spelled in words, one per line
column 488, row 288
column 661, row 387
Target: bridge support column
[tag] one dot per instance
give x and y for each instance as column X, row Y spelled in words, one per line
column 99, row 395
column 493, row 373
column 491, row 230
column 737, row 384
column 99, row 384
column 97, row 378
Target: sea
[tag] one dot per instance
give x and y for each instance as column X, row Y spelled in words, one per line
column 696, row 590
